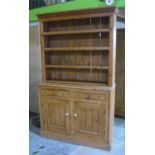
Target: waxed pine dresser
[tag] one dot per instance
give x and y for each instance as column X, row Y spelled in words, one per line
column 77, row 91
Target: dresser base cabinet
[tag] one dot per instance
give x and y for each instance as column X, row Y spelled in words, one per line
column 77, row 113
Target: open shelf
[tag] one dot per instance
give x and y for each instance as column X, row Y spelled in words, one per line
column 68, row 32
column 77, row 50
column 77, row 59
column 77, row 24
column 76, row 66
column 77, row 75
column 86, row 40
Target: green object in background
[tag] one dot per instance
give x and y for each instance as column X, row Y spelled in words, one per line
column 71, row 5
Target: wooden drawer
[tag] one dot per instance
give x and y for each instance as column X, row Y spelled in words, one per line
column 89, row 96
column 54, row 93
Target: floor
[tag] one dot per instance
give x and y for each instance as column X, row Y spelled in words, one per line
column 43, row 146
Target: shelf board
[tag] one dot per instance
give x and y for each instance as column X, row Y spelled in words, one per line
column 79, row 84
column 76, row 49
column 77, row 67
column 76, row 32
column 102, row 85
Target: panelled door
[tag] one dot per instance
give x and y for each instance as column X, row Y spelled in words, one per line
column 57, row 115
column 89, row 118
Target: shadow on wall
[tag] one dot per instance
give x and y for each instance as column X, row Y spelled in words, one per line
column 34, row 66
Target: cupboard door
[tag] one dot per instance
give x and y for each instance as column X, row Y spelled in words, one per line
column 56, row 115
column 89, row 119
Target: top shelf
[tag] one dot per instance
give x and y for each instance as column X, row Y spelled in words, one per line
column 76, row 32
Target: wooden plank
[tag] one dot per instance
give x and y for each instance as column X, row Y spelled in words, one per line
column 95, row 121
column 120, row 74
column 70, row 84
column 77, row 67
column 75, row 32
column 112, row 51
column 42, row 52
column 78, row 14
column 89, row 120
column 76, row 48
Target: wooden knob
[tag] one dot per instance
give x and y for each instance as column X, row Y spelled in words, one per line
column 75, row 115
column 67, row 114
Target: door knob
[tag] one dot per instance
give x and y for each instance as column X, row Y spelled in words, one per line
column 67, row 114
column 75, row 115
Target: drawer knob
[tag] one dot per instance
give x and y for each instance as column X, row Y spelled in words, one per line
column 67, row 114
column 88, row 97
column 75, row 115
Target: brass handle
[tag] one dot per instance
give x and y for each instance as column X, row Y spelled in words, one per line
column 67, row 114
column 75, row 115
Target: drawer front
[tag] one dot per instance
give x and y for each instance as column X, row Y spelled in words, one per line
column 89, row 96
column 54, row 93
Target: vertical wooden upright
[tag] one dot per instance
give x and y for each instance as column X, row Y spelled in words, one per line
column 120, row 74
column 42, row 51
